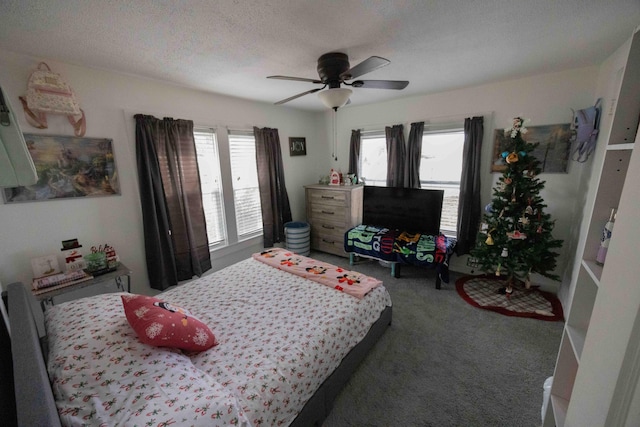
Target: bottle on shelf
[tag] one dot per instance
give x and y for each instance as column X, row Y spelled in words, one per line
column 606, row 237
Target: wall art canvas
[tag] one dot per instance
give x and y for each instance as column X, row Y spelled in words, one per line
column 297, row 146
column 553, row 150
column 68, row 167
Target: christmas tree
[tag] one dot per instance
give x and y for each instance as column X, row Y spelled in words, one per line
column 515, row 236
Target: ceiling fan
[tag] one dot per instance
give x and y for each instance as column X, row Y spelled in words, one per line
column 334, row 70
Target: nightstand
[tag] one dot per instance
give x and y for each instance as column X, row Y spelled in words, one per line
column 120, row 277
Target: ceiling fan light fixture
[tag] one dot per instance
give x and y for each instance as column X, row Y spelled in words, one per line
column 335, row 98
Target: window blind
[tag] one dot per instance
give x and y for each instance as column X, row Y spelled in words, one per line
column 246, row 192
column 211, row 183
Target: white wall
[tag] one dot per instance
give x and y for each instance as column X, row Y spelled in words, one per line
column 28, row 230
column 109, row 100
column 544, row 99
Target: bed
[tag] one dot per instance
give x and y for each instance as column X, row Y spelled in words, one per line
column 286, row 345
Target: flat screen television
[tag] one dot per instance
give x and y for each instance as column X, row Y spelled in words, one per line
column 409, row 209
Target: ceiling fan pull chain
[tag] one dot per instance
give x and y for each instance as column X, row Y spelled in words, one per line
column 335, row 134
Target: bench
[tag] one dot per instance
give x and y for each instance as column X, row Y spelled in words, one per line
column 400, row 247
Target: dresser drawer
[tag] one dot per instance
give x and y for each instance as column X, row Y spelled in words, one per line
column 325, row 227
column 326, row 213
column 328, row 244
column 328, row 198
column 328, row 232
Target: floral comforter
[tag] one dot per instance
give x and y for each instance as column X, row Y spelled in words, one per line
column 280, row 336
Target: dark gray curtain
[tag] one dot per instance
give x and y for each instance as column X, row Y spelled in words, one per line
column 354, row 152
column 469, row 209
column 175, row 230
column 273, row 192
column 395, row 155
column 414, row 151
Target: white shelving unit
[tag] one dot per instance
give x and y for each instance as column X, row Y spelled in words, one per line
column 585, row 379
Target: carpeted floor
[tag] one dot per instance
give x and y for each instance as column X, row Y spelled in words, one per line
column 444, row 362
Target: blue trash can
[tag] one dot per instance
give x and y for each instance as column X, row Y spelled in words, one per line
column 297, row 235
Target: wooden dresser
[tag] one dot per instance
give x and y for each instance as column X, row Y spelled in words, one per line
column 331, row 211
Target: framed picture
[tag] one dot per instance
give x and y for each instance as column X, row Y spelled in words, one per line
column 45, row 266
column 553, row 150
column 297, row 146
column 68, row 167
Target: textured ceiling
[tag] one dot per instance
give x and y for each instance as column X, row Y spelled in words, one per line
column 229, row 47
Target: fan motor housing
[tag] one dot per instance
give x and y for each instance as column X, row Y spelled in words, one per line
column 330, row 66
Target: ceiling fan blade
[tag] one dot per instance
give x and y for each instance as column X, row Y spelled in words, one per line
column 381, row 84
column 366, row 66
column 291, row 98
column 298, row 79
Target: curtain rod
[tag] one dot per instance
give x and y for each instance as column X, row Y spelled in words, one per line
column 432, row 121
column 129, row 113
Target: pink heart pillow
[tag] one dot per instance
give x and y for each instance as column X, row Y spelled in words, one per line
column 163, row 324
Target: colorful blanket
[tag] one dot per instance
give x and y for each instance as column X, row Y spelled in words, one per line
column 349, row 282
column 402, row 247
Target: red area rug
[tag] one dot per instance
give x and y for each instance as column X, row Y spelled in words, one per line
column 484, row 292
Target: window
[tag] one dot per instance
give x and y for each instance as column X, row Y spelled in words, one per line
column 373, row 158
column 440, row 166
column 211, row 183
column 246, row 193
column 227, row 164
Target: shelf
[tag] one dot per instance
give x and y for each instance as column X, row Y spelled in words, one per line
column 576, row 337
column 626, row 146
column 563, row 380
column 594, row 270
column 560, row 407
column 579, row 317
column 581, row 382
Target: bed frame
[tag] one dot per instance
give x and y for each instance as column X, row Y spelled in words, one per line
column 35, row 403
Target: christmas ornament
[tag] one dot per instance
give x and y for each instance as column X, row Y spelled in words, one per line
column 508, row 181
column 523, row 220
column 489, row 208
column 504, row 154
column 516, row 235
column 505, row 253
column 498, row 270
column 512, row 158
column 528, row 210
column 508, row 290
column 489, row 240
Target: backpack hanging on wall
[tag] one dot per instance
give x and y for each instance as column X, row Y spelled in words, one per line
column 585, row 125
column 48, row 93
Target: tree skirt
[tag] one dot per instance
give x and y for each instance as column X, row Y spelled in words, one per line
column 485, row 292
